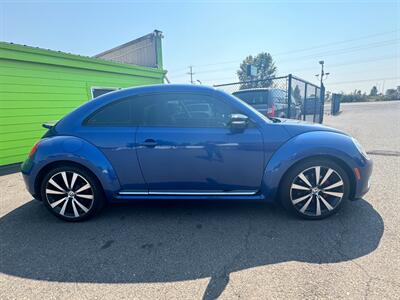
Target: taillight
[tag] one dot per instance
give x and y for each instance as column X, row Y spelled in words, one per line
column 33, row 150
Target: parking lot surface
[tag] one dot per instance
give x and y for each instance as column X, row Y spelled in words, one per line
column 194, row 250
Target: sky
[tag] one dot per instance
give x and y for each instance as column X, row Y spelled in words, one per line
column 359, row 41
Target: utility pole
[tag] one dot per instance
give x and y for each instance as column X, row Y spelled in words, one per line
column 191, row 74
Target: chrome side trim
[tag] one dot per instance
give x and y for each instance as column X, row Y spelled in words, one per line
column 233, row 193
column 204, row 193
column 133, row 193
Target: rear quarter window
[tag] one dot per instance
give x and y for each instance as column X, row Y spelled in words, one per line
column 115, row 114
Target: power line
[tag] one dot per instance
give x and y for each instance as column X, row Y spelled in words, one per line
column 299, row 50
column 336, row 43
column 357, row 81
column 312, row 48
column 176, row 70
column 368, row 60
column 313, row 56
column 326, row 53
column 347, row 50
column 364, row 80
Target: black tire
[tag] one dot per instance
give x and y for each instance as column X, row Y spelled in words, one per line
column 323, row 199
column 85, row 201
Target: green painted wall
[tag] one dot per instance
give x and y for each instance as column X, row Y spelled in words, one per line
column 38, row 85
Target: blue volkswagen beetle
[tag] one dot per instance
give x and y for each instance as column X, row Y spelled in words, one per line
column 190, row 142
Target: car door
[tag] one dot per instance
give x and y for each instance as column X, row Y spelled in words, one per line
column 186, row 146
column 112, row 130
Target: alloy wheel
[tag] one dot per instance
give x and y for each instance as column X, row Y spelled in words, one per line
column 69, row 194
column 317, row 191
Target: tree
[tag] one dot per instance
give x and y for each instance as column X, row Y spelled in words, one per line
column 392, row 94
column 374, row 91
column 359, row 96
column 265, row 70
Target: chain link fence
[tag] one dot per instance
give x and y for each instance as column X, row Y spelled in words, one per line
column 281, row 97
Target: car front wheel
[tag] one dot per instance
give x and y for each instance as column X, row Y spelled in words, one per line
column 71, row 193
column 315, row 189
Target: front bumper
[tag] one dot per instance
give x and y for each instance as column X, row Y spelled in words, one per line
column 363, row 184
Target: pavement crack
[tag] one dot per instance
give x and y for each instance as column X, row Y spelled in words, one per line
column 384, row 152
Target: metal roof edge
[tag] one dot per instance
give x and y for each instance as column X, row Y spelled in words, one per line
column 75, row 57
column 147, row 36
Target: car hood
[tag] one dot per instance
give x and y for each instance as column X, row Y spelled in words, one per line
column 296, row 127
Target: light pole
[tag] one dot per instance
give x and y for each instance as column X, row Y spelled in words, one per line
column 321, row 62
column 322, row 92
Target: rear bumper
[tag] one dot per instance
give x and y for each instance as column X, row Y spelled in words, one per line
column 26, row 170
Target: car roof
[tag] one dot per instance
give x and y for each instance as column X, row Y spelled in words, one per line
column 79, row 114
column 161, row 88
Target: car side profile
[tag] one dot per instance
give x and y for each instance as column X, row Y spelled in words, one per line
column 190, row 142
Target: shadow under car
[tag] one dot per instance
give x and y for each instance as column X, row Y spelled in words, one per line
column 168, row 241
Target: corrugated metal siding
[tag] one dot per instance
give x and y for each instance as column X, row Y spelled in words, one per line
column 142, row 52
column 32, row 93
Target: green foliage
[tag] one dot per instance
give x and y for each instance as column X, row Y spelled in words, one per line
column 265, row 70
column 358, row 96
column 393, row 94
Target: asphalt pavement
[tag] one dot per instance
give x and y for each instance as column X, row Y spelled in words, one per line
column 231, row 250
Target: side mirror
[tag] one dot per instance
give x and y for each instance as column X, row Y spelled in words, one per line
column 238, row 121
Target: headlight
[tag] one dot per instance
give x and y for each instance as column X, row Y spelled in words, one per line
column 360, row 148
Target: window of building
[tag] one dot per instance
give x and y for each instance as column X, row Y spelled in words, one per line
column 98, row 91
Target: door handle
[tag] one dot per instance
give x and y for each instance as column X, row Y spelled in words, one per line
column 150, row 143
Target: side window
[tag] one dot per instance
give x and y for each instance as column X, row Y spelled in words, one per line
column 183, row 110
column 115, row 114
column 206, row 111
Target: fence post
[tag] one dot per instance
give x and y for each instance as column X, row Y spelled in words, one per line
column 335, row 104
column 316, row 105
column 322, row 103
column 305, row 102
column 289, row 93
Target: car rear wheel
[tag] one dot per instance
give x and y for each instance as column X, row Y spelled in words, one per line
column 315, row 189
column 72, row 193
